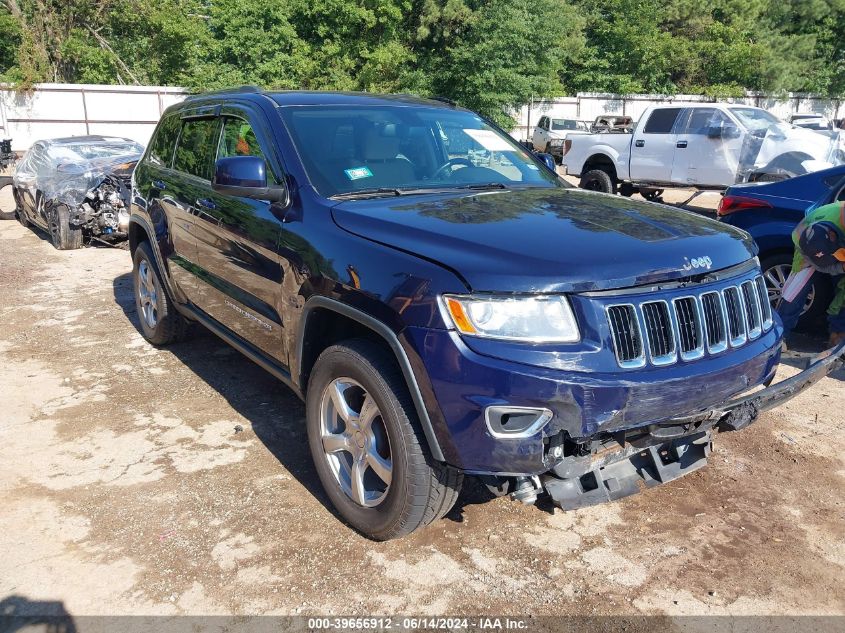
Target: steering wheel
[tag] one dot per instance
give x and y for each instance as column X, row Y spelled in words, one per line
column 451, row 163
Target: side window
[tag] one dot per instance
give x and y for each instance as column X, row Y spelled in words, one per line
column 542, row 122
column 195, row 151
column 702, row 119
column 238, row 139
column 661, row 121
column 161, row 147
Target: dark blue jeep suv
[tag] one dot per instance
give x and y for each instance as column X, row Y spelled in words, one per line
column 445, row 304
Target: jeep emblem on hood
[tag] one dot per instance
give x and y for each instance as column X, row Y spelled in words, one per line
column 698, row 262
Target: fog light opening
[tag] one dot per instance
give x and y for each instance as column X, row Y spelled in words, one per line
column 515, row 422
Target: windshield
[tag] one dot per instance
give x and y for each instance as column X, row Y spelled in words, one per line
column 756, row 119
column 565, row 124
column 354, row 148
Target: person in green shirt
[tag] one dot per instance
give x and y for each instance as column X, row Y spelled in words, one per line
column 819, row 250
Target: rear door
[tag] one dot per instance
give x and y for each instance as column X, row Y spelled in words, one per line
column 702, row 157
column 238, row 240
column 653, row 146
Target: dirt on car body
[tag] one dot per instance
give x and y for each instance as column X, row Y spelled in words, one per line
column 123, row 493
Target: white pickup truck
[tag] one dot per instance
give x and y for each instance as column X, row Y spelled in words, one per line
column 703, row 145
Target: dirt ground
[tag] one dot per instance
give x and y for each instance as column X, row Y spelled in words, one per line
column 177, row 481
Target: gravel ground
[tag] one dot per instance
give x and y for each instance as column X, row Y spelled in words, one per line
column 177, row 481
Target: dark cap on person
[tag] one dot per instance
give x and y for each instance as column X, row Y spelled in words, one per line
column 822, row 244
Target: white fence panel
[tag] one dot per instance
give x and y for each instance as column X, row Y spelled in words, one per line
column 55, row 110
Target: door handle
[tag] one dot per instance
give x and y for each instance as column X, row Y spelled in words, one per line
column 639, row 143
column 681, row 144
column 205, row 203
column 159, row 184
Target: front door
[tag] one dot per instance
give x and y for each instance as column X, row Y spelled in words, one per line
column 708, row 149
column 653, row 146
column 238, row 242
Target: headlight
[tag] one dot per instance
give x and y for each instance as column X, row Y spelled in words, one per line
column 530, row 319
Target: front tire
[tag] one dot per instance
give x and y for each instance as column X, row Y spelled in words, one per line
column 598, row 180
column 776, row 269
column 64, row 236
column 367, row 445
column 161, row 324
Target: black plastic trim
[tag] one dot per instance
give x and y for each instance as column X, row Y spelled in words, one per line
column 391, row 339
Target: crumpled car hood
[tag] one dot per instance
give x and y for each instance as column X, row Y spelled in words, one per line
column 548, row 240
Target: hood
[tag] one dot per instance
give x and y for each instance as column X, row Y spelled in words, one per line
column 548, row 240
column 821, row 146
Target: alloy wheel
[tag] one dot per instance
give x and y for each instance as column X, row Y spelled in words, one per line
column 355, row 442
column 776, row 277
column 147, row 294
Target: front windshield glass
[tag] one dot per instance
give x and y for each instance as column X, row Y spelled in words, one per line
column 354, row 148
column 756, row 119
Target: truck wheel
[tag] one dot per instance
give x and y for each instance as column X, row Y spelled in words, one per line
column 776, row 270
column 161, row 324
column 367, row 445
column 598, row 180
column 64, row 236
column 7, row 199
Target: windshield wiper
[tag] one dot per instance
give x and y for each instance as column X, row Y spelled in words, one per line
column 483, row 186
column 375, row 192
column 381, row 192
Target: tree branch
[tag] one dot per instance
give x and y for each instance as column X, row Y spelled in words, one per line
column 105, row 46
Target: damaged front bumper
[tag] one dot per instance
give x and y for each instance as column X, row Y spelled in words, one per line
column 673, row 450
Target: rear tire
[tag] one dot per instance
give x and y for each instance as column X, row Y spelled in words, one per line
column 598, row 180
column 363, row 429
column 161, row 324
column 64, row 236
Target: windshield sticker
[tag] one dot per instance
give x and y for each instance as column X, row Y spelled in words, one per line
column 489, row 140
column 356, row 173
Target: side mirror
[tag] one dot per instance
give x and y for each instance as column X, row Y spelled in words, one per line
column 245, row 176
column 548, row 161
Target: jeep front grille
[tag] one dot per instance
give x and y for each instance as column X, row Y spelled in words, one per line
column 659, row 332
column 626, row 335
column 688, row 327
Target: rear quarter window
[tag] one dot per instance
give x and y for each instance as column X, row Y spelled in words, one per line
column 661, row 121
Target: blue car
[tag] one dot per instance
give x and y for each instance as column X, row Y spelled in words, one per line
column 770, row 212
column 445, row 304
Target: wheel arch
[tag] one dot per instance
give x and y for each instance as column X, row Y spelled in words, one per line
column 603, row 162
column 329, row 322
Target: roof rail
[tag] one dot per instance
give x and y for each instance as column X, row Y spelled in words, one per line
column 225, row 91
column 443, row 100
